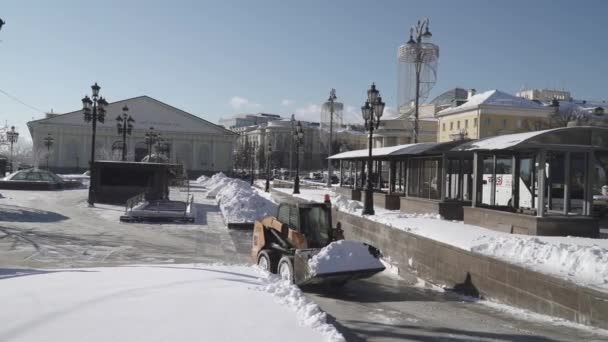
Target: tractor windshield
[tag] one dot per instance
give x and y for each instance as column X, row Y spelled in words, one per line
column 316, row 226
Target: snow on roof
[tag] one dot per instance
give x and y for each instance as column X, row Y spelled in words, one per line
column 386, row 151
column 507, row 141
column 493, row 98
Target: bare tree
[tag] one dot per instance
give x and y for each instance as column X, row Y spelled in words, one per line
column 565, row 114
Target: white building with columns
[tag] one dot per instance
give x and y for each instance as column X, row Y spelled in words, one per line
column 201, row 146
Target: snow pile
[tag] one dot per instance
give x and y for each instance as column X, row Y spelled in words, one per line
column 587, row 264
column 238, row 201
column 344, row 204
column 340, row 256
column 156, row 303
column 202, row 179
column 215, row 184
column 309, row 314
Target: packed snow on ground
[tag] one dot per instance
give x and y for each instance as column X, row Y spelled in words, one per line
column 238, row 201
column 344, row 255
column 581, row 260
column 156, row 303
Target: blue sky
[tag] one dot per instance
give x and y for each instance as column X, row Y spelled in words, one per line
column 218, row 58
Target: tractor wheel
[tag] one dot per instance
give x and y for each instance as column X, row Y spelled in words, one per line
column 286, row 269
column 267, row 261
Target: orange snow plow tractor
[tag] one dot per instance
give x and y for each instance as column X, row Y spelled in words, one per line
column 286, row 243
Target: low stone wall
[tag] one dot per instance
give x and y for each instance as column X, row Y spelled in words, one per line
column 478, row 275
column 531, row 225
column 449, row 210
column 386, row 201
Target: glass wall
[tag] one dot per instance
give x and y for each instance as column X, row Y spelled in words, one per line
column 459, row 179
column 577, row 183
column 425, row 175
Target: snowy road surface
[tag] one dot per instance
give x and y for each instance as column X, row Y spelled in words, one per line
column 156, row 303
column 57, row 229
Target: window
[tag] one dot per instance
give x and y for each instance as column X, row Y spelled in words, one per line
column 443, row 127
column 488, row 121
column 458, row 124
column 504, row 123
column 520, row 123
column 474, row 122
column 466, row 123
column 451, row 125
column 284, row 213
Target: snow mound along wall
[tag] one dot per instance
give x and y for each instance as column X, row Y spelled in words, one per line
column 587, row 265
column 238, row 201
column 342, row 256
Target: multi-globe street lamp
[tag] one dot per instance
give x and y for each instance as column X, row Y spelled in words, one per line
column 298, row 137
column 48, row 142
column 12, row 136
column 124, row 123
column 371, row 111
column 94, row 110
column 268, row 161
column 420, row 52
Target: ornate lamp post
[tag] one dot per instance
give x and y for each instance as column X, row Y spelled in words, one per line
column 94, row 110
column 420, row 52
column 371, row 111
column 333, row 108
column 298, row 136
column 150, row 139
column 124, row 123
column 12, row 137
column 268, row 161
column 48, row 142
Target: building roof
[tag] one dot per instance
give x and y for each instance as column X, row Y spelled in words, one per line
column 492, row 98
column 588, row 136
column 188, row 121
column 449, row 97
column 399, row 150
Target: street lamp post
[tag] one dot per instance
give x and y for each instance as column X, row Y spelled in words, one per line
column 124, row 123
column 298, row 136
column 268, row 161
column 12, row 137
column 419, row 52
column 94, row 110
column 332, row 107
column 371, row 111
column 48, row 142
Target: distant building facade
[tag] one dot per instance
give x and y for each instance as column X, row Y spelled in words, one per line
column 544, row 95
column 201, row 146
column 238, row 122
column 491, row 113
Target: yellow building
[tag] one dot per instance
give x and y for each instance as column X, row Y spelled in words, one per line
column 492, row 113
